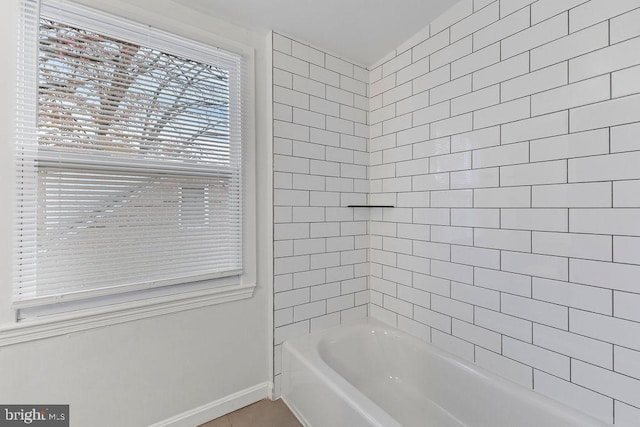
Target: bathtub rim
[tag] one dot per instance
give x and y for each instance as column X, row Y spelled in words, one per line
column 305, row 349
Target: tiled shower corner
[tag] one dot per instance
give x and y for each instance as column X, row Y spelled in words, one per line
column 320, row 129
column 507, row 135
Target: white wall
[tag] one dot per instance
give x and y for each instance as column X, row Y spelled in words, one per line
column 143, row 371
column 320, row 166
column 507, row 135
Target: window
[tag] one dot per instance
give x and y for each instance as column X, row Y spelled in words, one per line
column 128, row 156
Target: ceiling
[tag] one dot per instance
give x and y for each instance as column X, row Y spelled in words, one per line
column 363, row 31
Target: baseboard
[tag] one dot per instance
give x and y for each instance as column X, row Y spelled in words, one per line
column 218, row 408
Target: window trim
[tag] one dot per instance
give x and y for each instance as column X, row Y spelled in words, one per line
column 183, row 296
column 53, row 325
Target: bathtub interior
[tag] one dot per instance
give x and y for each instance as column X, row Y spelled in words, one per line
column 385, row 372
column 413, row 381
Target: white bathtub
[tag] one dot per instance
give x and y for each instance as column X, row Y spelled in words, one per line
column 369, row 374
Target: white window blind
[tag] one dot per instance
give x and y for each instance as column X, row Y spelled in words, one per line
column 129, row 154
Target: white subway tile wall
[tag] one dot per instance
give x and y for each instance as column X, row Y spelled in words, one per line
column 509, row 132
column 507, row 135
column 320, row 109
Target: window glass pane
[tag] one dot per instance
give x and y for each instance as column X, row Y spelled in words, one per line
column 98, row 228
column 111, row 96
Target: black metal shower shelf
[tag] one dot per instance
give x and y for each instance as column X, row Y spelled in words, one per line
column 370, row 206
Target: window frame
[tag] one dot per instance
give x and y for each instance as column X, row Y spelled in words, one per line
column 193, row 293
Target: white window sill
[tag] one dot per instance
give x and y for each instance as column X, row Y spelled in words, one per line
column 81, row 320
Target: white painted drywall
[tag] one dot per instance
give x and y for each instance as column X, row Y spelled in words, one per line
column 145, row 371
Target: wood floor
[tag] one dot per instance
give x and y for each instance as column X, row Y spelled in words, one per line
column 265, row 413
